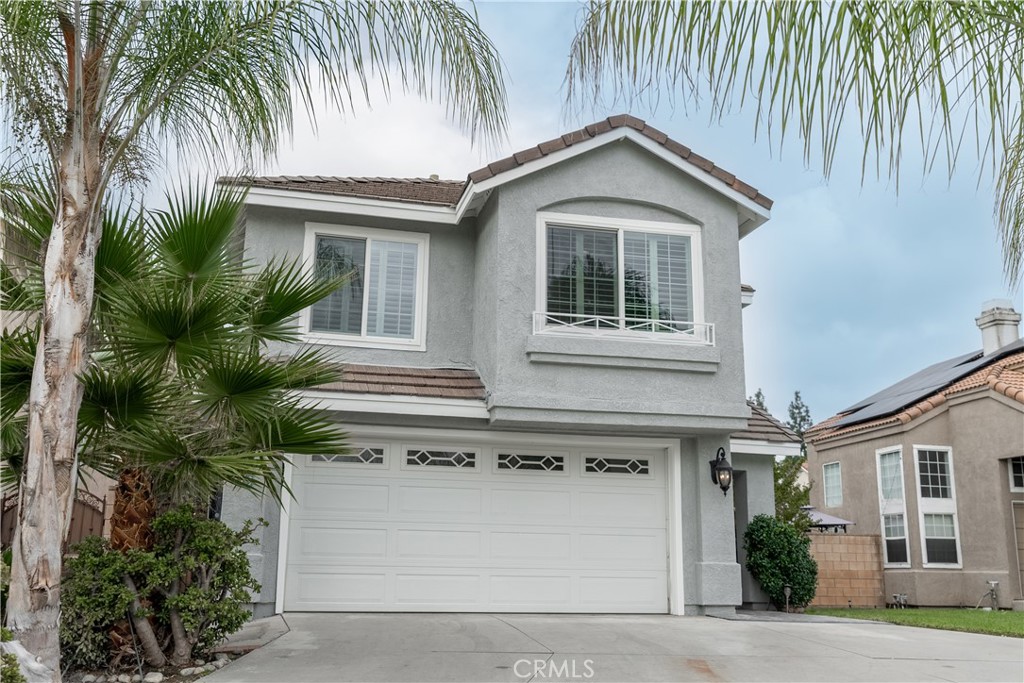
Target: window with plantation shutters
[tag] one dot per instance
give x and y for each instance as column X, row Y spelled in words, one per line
column 616, row 277
column 382, row 303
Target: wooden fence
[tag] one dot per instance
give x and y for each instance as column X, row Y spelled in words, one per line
column 86, row 518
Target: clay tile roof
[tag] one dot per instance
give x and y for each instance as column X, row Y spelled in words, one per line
column 415, row 190
column 612, row 122
column 392, row 380
column 448, row 192
column 762, row 426
column 1004, row 376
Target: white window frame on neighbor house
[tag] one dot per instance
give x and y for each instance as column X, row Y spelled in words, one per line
column 829, row 503
column 892, row 506
column 1009, row 469
column 702, row 333
column 937, row 506
column 364, row 340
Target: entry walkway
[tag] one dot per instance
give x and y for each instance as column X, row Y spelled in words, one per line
column 540, row 648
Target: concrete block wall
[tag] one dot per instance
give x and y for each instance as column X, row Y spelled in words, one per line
column 849, row 570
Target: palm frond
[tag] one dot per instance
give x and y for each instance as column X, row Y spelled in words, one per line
column 279, row 292
column 118, row 396
column 944, row 77
column 17, row 359
column 296, row 429
column 12, row 451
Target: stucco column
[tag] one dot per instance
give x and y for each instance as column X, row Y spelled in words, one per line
column 240, row 506
column 716, row 575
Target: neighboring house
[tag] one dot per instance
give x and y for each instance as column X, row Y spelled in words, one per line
column 541, row 362
column 935, row 463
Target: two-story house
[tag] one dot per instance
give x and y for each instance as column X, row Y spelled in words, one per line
column 934, row 464
column 541, row 363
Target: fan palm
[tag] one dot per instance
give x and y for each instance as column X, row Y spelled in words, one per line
column 96, row 90
column 181, row 393
column 941, row 75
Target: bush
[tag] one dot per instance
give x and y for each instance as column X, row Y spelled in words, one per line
column 778, row 555
column 181, row 598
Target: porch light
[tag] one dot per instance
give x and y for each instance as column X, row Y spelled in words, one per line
column 721, row 471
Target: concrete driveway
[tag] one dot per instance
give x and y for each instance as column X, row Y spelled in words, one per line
column 539, row 648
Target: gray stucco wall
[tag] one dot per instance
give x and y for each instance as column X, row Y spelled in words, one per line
column 641, row 387
column 982, row 429
column 758, row 499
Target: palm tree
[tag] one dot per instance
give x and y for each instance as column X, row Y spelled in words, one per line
column 97, row 90
column 939, row 75
column 181, row 392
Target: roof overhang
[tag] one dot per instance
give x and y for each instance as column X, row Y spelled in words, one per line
column 761, row 447
column 396, row 404
column 750, row 213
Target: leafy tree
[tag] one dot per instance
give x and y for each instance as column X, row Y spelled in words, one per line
column 942, row 76
column 799, row 417
column 758, row 399
column 97, row 90
column 778, row 556
column 790, row 495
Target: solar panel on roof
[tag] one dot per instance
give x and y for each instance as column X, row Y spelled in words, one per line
column 921, row 385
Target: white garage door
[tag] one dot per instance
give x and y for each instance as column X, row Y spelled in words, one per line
column 401, row 526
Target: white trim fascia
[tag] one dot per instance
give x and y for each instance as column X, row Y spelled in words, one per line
column 282, row 540
column 312, row 201
column 396, row 404
column 759, row 214
column 759, row 447
column 673, row 470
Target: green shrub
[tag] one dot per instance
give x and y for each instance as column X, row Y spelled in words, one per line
column 778, row 555
column 196, row 578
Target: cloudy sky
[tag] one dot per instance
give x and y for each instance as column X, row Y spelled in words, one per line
column 857, row 286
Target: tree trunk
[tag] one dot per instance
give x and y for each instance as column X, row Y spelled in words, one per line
column 134, row 510
column 182, row 654
column 144, row 630
column 46, row 494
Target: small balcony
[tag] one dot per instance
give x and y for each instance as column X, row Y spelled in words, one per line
column 623, row 328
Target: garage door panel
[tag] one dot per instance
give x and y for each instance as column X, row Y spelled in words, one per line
column 400, row 538
column 436, row 544
column 529, row 503
column 335, row 497
column 332, row 544
column 438, row 500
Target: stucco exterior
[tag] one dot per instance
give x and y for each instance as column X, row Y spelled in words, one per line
column 983, row 429
column 482, row 295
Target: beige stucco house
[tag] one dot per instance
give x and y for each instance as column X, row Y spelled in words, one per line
column 935, row 464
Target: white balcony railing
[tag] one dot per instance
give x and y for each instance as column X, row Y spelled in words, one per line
column 617, row 327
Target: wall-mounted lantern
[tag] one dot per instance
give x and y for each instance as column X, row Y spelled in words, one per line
column 721, row 471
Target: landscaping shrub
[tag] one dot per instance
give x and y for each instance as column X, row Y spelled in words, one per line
column 779, row 555
column 182, row 597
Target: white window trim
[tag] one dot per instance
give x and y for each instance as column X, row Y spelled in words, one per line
column 421, row 239
column 1009, row 472
column 937, row 506
column 824, row 485
column 890, row 507
column 620, row 225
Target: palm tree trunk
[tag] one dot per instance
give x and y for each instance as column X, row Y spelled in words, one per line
column 134, row 510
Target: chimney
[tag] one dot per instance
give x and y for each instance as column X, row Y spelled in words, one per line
column 998, row 323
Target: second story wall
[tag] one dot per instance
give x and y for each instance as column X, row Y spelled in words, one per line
column 272, row 233
column 637, row 382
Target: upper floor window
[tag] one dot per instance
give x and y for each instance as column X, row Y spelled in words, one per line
column 612, row 277
column 383, row 302
column 1017, row 473
column 940, row 535
column 892, row 508
column 833, row 479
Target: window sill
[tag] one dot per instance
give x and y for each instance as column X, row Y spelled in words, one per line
column 363, row 342
column 936, row 565
column 607, row 352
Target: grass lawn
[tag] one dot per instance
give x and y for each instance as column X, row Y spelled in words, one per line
column 973, row 621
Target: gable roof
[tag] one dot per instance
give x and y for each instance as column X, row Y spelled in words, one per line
column 1001, row 371
column 762, row 426
column 448, row 193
